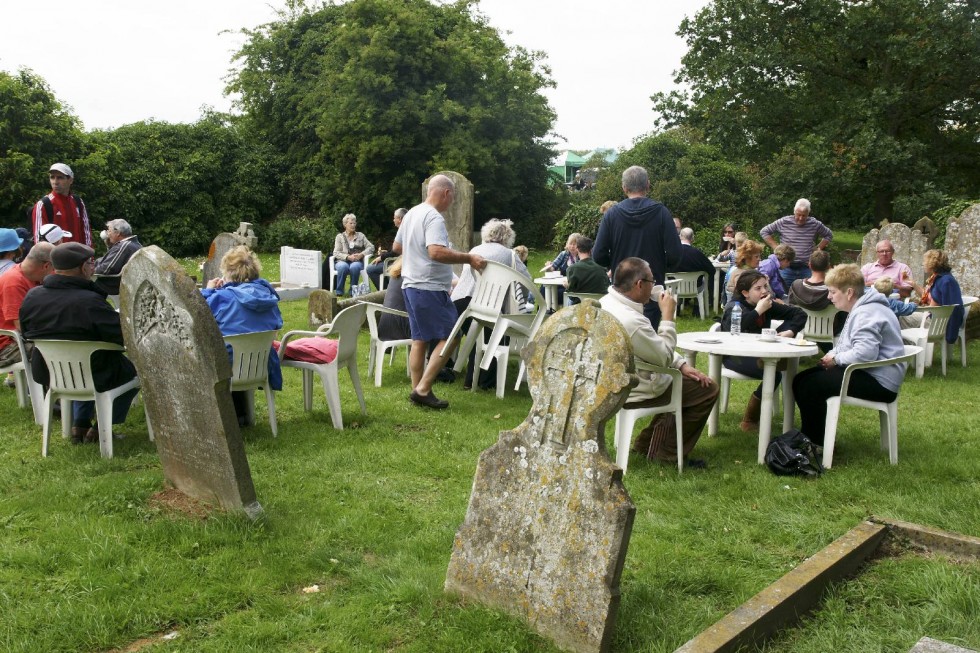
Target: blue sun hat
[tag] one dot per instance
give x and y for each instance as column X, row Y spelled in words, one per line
column 9, row 240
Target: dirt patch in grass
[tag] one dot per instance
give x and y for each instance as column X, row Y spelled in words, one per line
column 142, row 643
column 174, row 502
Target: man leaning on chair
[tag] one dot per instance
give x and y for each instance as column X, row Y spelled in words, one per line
column 625, row 300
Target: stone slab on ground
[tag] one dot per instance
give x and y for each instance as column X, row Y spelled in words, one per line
column 172, row 338
column 549, row 521
column 930, row 645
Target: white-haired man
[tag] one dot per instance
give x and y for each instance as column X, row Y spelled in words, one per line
column 423, row 242
column 122, row 243
column 800, row 231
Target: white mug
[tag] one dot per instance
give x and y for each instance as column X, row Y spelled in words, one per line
column 768, row 335
column 656, row 292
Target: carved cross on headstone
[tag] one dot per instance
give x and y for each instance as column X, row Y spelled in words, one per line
column 574, row 375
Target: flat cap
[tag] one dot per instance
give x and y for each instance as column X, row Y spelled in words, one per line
column 69, row 256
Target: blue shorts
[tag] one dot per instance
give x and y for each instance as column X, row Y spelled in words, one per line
column 431, row 314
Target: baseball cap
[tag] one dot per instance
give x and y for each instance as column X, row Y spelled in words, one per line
column 63, row 169
column 52, row 232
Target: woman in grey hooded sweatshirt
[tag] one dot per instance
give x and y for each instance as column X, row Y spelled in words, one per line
column 870, row 333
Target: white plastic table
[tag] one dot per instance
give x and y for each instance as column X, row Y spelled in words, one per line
column 717, row 345
column 551, row 290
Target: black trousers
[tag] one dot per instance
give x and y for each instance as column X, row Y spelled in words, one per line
column 813, row 387
column 751, row 367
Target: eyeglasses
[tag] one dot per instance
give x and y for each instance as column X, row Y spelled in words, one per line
column 885, row 251
column 647, row 280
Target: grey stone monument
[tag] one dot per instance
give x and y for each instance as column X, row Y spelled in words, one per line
column 220, row 246
column 962, row 245
column 549, row 521
column 173, row 340
column 929, row 230
column 909, row 246
column 459, row 216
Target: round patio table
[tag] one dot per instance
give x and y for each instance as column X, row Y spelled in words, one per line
column 717, row 344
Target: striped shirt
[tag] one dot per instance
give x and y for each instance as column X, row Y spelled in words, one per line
column 800, row 238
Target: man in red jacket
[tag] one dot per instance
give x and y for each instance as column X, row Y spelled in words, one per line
column 62, row 208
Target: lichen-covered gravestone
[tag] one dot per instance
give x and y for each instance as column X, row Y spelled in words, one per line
column 220, row 246
column 963, row 247
column 549, row 520
column 459, row 216
column 173, row 340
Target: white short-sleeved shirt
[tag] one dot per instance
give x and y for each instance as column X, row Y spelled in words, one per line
column 422, row 226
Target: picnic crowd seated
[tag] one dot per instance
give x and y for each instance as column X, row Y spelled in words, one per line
column 758, row 311
column 244, row 303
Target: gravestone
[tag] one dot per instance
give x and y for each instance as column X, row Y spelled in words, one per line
column 220, row 246
column 459, row 216
column 909, row 247
column 962, row 246
column 300, row 272
column 549, row 521
column 173, row 340
column 928, row 229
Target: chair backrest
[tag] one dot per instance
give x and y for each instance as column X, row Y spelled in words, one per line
column 687, row 285
column 15, row 336
column 346, row 325
column 69, row 364
column 493, row 287
column 820, row 324
column 715, row 327
column 250, row 357
column 938, row 318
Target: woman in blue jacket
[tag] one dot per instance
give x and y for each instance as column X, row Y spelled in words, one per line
column 244, row 303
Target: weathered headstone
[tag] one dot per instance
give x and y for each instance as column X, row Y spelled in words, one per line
column 929, row 230
column 549, row 520
column 173, row 340
column 962, row 245
column 300, row 272
column 459, row 216
column 220, row 246
column 909, row 247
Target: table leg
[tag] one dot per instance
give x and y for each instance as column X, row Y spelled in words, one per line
column 552, row 297
column 714, row 371
column 765, row 416
column 788, row 398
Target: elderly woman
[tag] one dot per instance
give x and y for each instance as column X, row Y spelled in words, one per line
column 941, row 289
column 753, row 294
column 350, row 249
column 498, row 238
column 244, row 303
column 870, row 333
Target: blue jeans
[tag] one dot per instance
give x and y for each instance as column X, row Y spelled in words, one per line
column 343, row 269
column 374, row 273
column 792, row 273
column 84, row 411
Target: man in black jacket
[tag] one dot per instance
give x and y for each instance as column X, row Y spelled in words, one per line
column 693, row 260
column 68, row 306
column 641, row 227
column 122, row 245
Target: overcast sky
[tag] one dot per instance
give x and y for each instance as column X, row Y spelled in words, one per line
column 119, row 61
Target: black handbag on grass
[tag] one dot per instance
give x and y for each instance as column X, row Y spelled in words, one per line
column 793, row 454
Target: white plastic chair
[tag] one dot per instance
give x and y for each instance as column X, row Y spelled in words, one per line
column 888, row 412
column 385, row 265
column 250, row 370
column 27, row 390
column 820, row 324
column 378, row 348
column 333, row 275
column 70, row 371
column 345, row 326
column 933, row 330
column 687, row 288
column 626, row 417
column 727, row 376
column 968, row 301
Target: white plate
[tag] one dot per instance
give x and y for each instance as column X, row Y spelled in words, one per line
column 801, row 343
column 708, row 341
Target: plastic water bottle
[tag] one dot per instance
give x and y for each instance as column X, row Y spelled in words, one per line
column 737, row 319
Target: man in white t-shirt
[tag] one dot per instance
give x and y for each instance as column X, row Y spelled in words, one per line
column 427, row 275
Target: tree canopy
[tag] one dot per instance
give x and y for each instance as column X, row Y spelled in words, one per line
column 854, row 103
column 368, row 98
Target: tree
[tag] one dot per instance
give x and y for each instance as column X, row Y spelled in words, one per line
column 366, row 99
column 36, row 130
column 857, row 102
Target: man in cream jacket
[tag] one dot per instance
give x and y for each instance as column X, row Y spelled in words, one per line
column 625, row 300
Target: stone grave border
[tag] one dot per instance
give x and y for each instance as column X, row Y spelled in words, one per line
column 783, row 603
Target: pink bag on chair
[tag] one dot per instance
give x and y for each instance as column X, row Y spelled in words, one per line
column 311, row 350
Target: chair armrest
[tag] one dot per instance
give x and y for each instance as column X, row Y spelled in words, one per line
column 910, row 353
column 302, row 334
column 380, row 308
column 676, row 378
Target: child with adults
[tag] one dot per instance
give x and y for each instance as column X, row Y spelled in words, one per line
column 753, row 295
column 870, row 333
column 781, row 258
column 350, row 249
column 244, row 303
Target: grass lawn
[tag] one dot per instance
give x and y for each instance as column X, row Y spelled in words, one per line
column 89, row 562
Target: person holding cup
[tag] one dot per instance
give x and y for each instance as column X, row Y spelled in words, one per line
column 752, row 293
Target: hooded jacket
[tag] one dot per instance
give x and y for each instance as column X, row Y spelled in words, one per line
column 245, row 308
column 639, row 227
column 872, row 333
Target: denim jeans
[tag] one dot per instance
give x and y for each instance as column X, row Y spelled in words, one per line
column 343, row 269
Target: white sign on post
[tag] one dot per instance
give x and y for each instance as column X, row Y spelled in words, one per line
column 300, row 268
